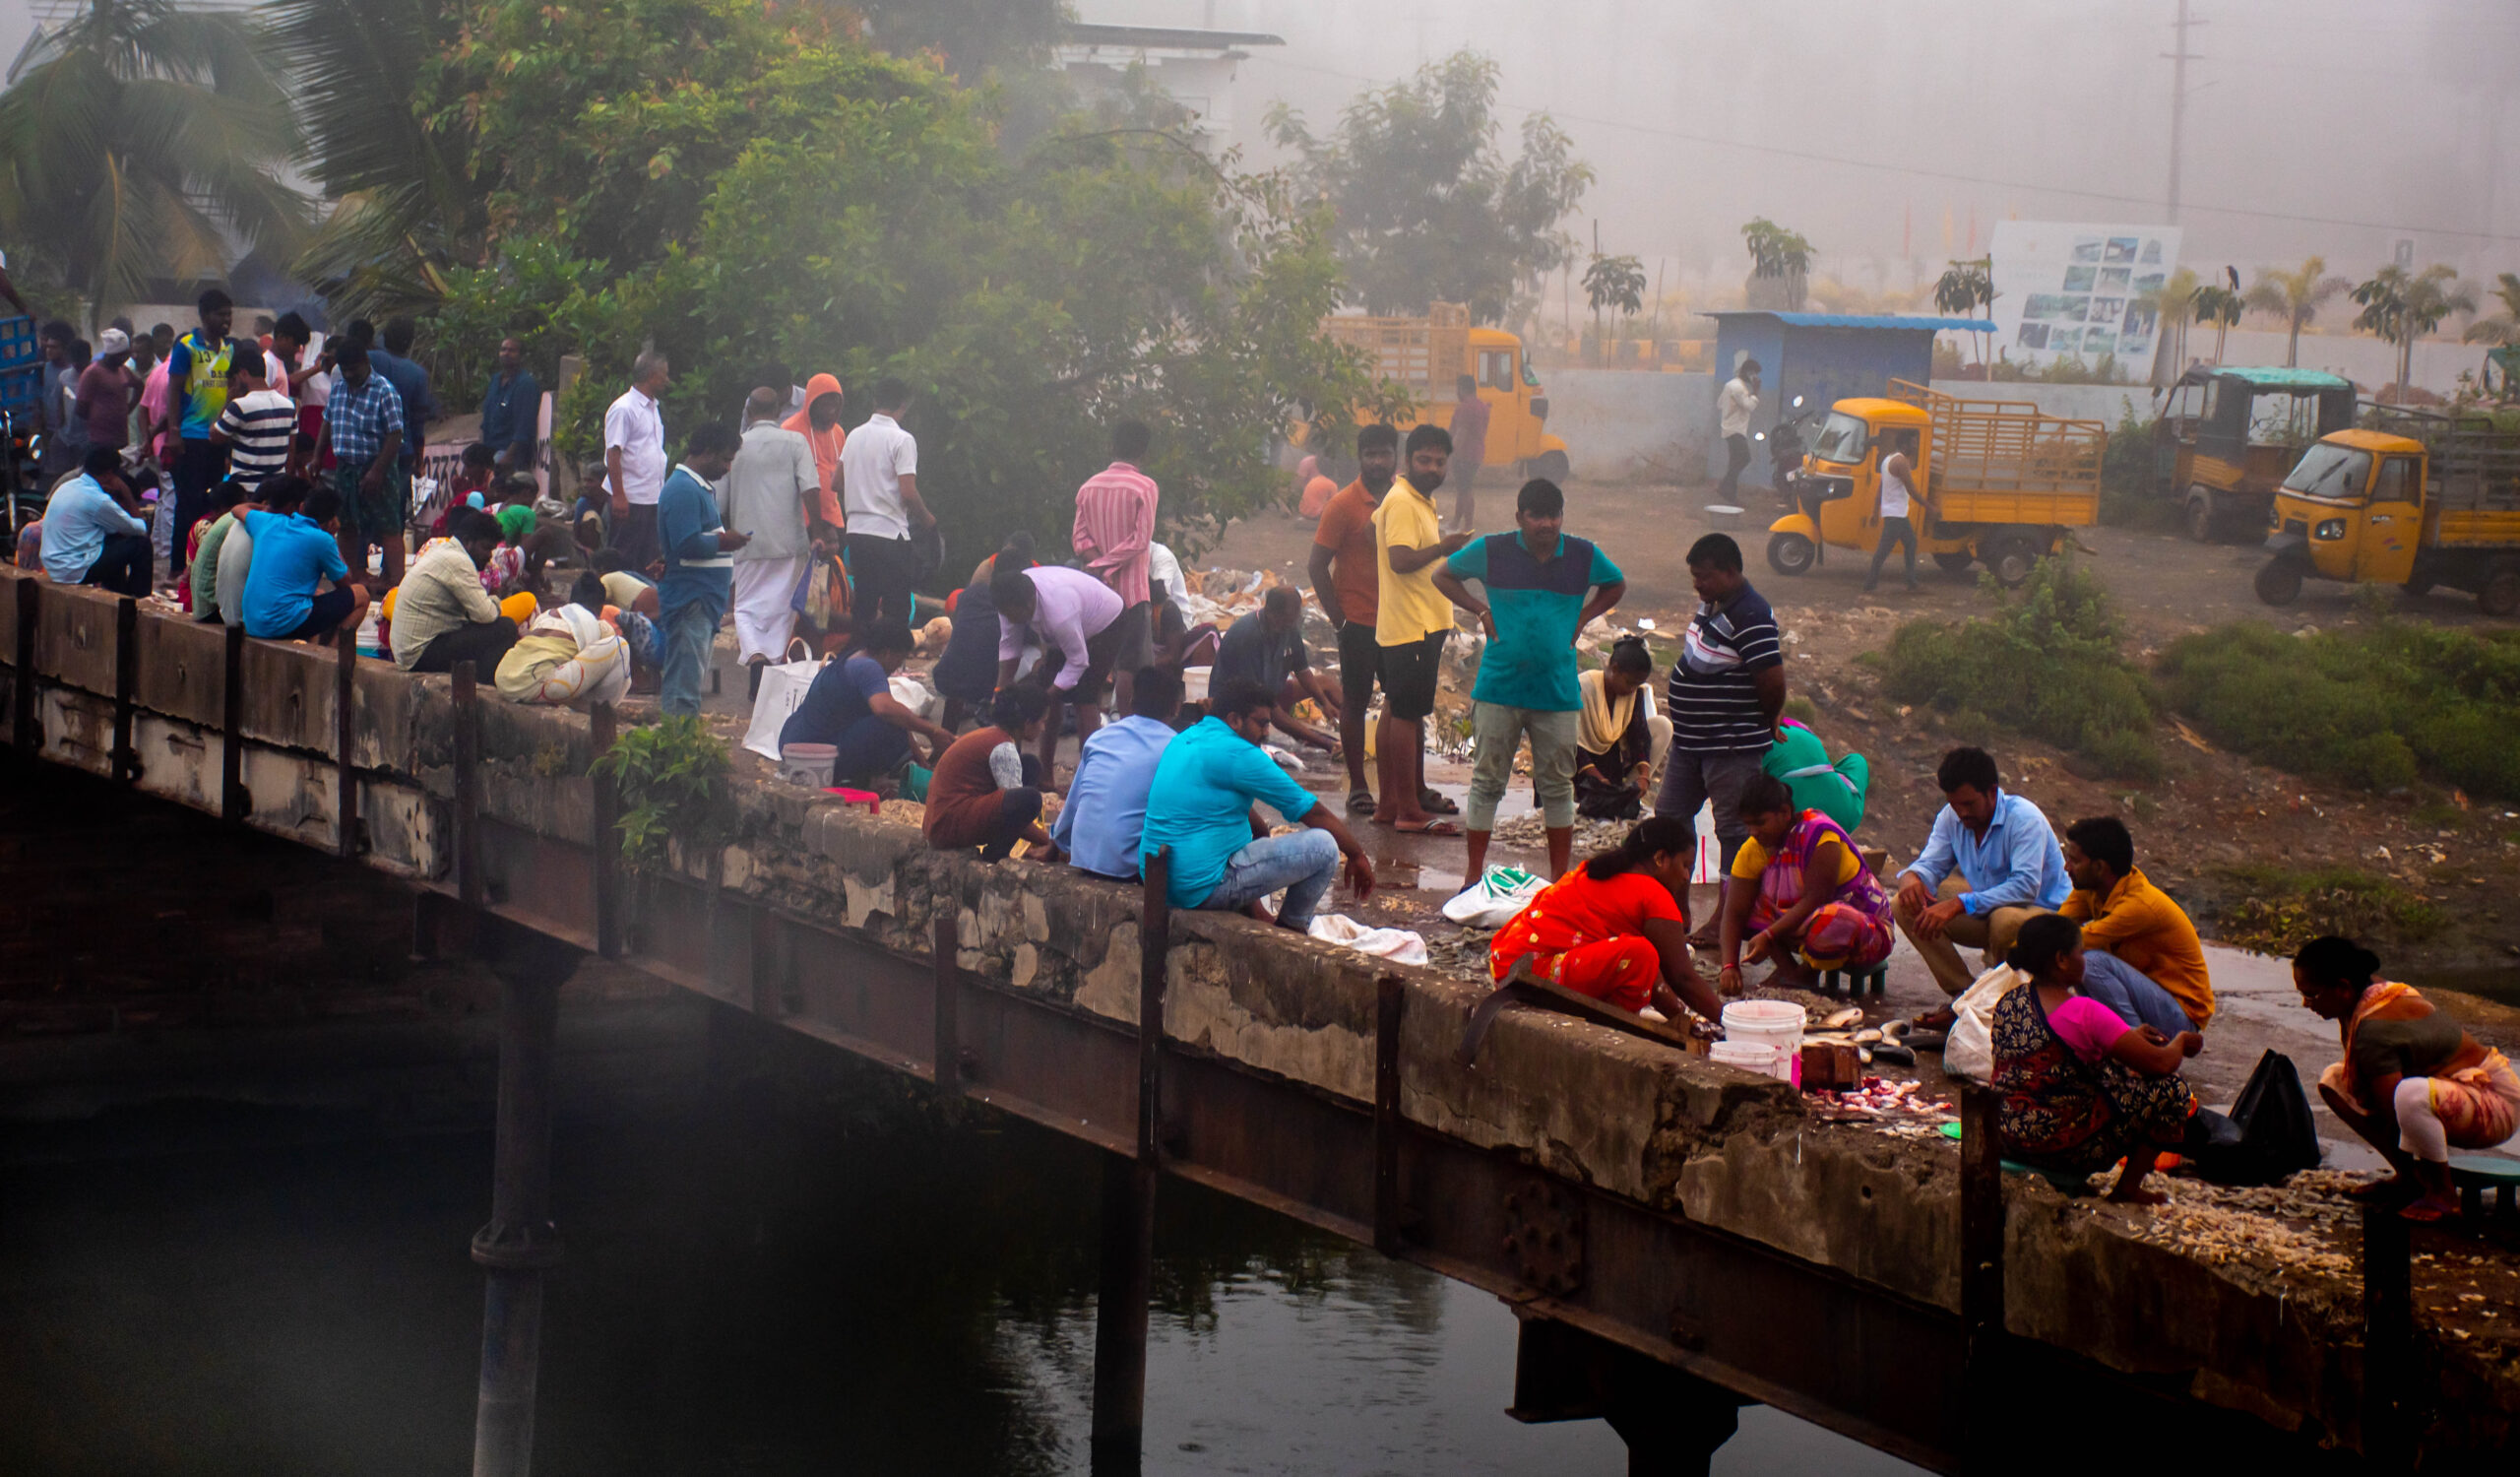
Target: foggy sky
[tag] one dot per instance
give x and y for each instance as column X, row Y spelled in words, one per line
column 2326, row 108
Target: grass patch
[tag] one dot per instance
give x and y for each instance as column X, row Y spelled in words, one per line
column 2285, row 909
column 2375, row 707
column 1801, row 709
column 2046, row 664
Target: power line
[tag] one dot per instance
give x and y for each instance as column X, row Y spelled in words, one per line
column 1915, row 171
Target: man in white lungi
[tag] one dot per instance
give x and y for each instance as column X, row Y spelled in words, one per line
column 767, row 493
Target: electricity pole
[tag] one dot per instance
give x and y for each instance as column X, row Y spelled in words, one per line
column 2179, row 60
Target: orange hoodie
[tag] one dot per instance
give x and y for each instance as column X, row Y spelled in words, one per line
column 826, row 444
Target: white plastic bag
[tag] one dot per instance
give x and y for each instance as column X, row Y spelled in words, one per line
column 782, row 691
column 912, row 692
column 1399, row 946
column 1970, row 1050
column 1493, row 900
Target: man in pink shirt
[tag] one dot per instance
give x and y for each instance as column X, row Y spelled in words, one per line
column 1470, row 452
column 1114, row 528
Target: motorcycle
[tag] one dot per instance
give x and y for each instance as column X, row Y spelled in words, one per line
column 1785, row 458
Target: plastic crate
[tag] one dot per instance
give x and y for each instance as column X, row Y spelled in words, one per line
column 21, row 365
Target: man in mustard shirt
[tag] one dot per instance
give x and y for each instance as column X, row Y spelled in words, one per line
column 1411, row 621
column 2123, row 914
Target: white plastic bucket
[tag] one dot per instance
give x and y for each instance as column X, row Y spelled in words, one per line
column 1760, row 1057
column 1771, row 1026
column 807, row 764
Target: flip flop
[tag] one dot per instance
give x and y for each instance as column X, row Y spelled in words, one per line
column 2425, row 1211
column 1435, row 802
column 1435, row 826
column 1361, row 802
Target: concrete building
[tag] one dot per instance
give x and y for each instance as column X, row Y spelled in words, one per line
column 1195, row 67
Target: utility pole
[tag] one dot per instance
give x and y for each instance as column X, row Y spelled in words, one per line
column 2179, row 60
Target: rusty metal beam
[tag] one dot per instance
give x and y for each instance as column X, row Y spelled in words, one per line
column 124, row 761
column 345, row 738
column 233, row 802
column 28, row 734
column 1128, row 1205
column 602, row 730
column 1982, row 1276
column 1391, row 1003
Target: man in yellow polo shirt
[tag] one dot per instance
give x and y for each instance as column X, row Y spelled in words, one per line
column 2123, row 914
column 1410, row 623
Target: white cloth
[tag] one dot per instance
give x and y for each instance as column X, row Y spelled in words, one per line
column 1734, row 406
column 1069, row 607
column 1399, row 946
column 872, row 462
column 636, row 427
column 2419, row 1129
column 235, row 562
column 765, row 616
column 1163, row 568
column 767, row 493
column 599, row 673
column 1894, row 490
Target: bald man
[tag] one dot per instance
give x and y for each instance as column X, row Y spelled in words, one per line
column 770, row 493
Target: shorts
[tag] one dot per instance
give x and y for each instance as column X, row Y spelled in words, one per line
column 1136, row 639
column 1360, row 664
column 330, row 609
column 373, row 517
column 1409, row 676
column 1101, row 648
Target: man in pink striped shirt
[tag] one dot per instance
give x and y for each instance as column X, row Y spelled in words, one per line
column 1114, row 527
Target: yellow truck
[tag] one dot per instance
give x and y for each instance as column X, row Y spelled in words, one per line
column 1429, row 354
column 2002, row 481
column 2414, row 499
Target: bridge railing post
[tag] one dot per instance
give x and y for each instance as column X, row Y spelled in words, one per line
column 27, row 734
column 232, row 801
column 469, row 887
column 1128, row 1208
column 344, row 736
column 945, row 946
column 602, row 729
column 125, row 761
column 1391, row 1001
column 1982, row 1278
column 2388, row 1340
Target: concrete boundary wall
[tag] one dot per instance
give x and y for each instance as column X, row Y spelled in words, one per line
column 1668, row 1132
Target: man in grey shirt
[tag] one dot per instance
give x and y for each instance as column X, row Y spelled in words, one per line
column 767, row 493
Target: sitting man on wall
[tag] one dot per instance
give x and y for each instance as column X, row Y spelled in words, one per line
column 1267, row 646
column 2135, row 938
column 987, row 791
column 441, row 614
column 1223, row 855
column 1105, row 817
column 1991, row 866
column 298, row 587
column 90, row 536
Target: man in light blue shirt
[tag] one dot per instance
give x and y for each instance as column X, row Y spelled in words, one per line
column 1222, row 857
column 2009, row 869
column 88, row 537
column 1105, row 817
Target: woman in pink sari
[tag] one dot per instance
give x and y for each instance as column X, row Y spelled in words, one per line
column 1802, row 893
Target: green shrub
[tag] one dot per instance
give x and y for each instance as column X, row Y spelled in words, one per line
column 2375, row 707
column 2128, row 492
column 672, row 777
column 2285, row 909
column 2046, row 664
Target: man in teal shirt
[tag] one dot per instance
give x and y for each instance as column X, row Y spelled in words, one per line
column 1537, row 580
column 1222, row 857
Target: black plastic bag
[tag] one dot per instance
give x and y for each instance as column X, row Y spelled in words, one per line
column 2268, row 1136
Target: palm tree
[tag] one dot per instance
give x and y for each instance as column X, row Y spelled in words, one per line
column 2503, row 327
column 143, row 139
column 2402, row 308
column 2221, row 306
column 2174, row 302
column 2295, row 296
column 408, row 208
column 1613, row 282
column 1969, row 287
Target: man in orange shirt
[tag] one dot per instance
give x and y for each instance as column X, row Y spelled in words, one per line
column 1347, row 582
column 2123, row 914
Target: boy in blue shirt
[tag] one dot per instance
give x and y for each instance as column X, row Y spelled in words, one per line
column 700, row 568
column 297, row 548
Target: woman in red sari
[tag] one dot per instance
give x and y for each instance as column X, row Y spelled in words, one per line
column 1800, row 892
column 1617, row 927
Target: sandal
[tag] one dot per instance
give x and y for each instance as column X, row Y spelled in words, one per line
column 1435, row 803
column 1361, row 802
column 2425, row 1211
column 1433, row 826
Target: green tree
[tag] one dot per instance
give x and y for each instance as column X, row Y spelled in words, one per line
column 2503, row 327
column 1427, row 208
column 2402, row 307
column 2174, row 307
column 2296, row 297
column 139, row 140
column 1968, row 290
column 1613, row 282
column 2222, row 308
column 733, row 186
column 1780, row 265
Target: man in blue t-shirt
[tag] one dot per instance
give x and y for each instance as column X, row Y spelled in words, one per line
column 296, row 549
column 1727, row 693
column 1543, row 589
column 700, row 565
column 1223, row 855
column 89, row 537
column 850, row 706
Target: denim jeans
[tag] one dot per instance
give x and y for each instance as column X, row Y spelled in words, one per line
column 691, row 630
column 1304, row 864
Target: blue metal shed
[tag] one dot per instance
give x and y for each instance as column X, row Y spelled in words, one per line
column 1824, row 358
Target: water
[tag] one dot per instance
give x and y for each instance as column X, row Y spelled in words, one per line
column 747, row 1290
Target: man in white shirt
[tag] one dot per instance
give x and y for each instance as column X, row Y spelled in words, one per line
column 767, row 493
column 634, row 459
column 1734, row 405
column 1898, row 499
column 879, row 495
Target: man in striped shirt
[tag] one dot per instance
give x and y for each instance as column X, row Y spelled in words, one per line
column 257, row 426
column 1727, row 689
column 1114, row 531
